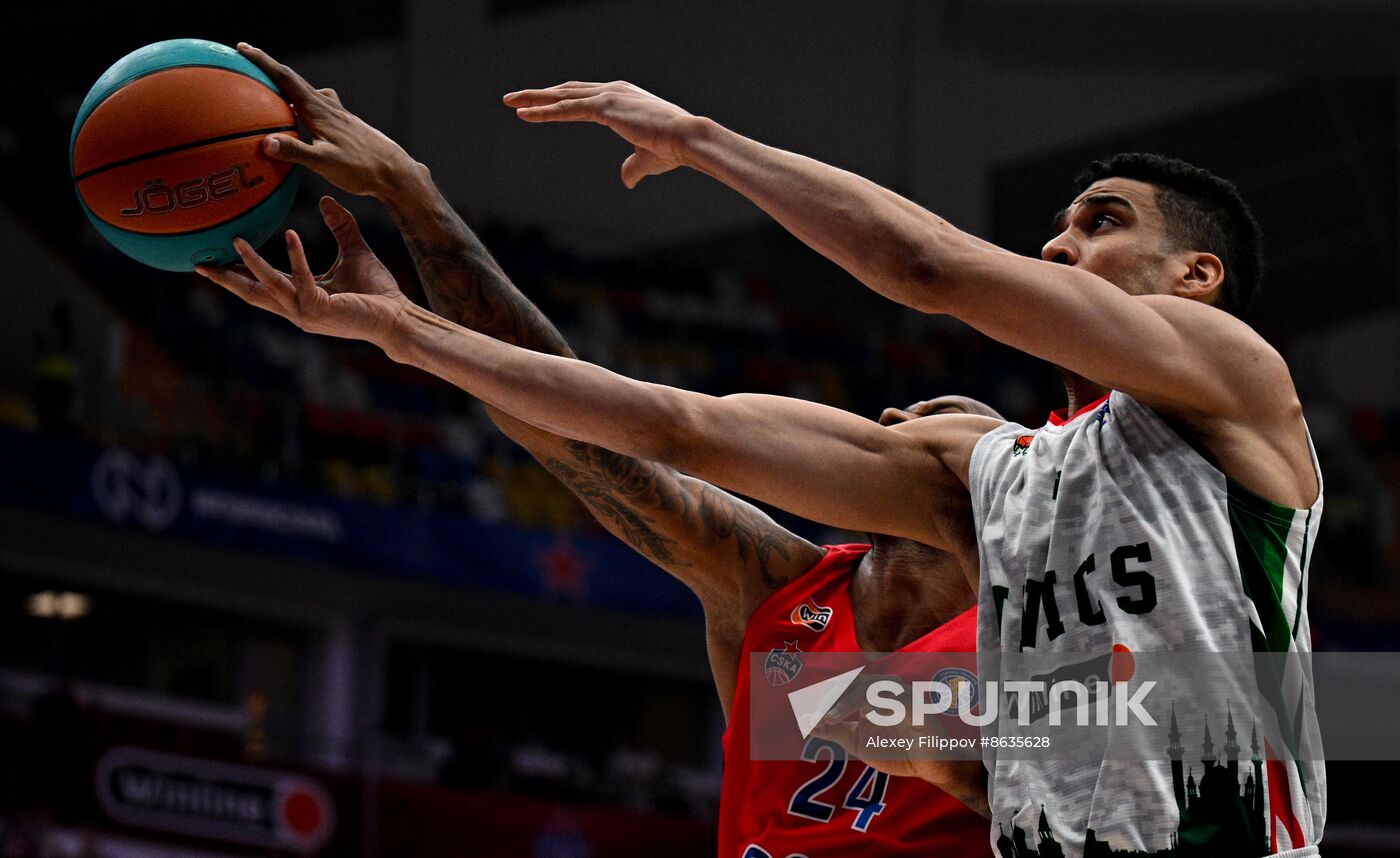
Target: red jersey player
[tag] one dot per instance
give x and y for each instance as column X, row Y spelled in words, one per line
column 831, row 803
column 751, row 575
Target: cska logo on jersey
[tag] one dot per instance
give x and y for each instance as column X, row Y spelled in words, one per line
column 783, row 665
column 811, row 615
column 1022, row 445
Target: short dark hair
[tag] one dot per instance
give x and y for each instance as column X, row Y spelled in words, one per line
column 1202, row 212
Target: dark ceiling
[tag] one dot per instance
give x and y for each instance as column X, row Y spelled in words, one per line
column 60, row 47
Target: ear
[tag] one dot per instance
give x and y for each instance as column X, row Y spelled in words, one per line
column 1202, row 277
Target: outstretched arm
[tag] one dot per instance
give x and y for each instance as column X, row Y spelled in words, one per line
column 819, row 462
column 729, row 552
column 1177, row 355
column 732, row 554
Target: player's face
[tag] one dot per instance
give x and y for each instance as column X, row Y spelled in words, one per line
column 1115, row 230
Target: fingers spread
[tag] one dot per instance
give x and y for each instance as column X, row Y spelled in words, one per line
column 307, row 290
column 327, row 281
column 342, row 225
column 268, row 276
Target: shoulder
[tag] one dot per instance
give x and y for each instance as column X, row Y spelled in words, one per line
column 1241, row 376
column 833, row 568
column 1242, row 409
column 1272, row 459
column 833, row 563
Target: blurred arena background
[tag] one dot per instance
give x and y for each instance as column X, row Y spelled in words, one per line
column 225, row 542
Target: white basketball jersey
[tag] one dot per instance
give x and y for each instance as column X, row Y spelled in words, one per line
column 1105, row 531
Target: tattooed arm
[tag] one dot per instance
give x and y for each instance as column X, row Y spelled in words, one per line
column 728, row 552
column 731, row 554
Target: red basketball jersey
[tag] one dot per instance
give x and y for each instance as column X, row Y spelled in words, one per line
column 834, row 805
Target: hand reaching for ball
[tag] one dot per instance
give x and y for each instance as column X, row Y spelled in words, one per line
column 349, row 152
column 357, row 298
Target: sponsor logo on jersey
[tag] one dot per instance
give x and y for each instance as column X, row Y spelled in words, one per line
column 1021, row 445
column 811, row 615
column 783, row 665
column 956, row 678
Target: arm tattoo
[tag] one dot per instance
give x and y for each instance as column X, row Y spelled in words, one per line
column 466, row 285
column 611, row 485
column 615, row 487
column 755, row 536
column 634, row 498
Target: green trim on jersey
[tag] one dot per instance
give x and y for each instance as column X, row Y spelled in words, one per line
column 1261, row 530
column 1303, row 567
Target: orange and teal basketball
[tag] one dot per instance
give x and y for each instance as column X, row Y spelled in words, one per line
column 166, row 159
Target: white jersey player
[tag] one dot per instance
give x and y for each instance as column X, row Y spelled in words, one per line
column 1138, row 294
column 1104, row 532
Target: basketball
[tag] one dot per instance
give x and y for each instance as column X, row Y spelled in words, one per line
column 165, row 154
